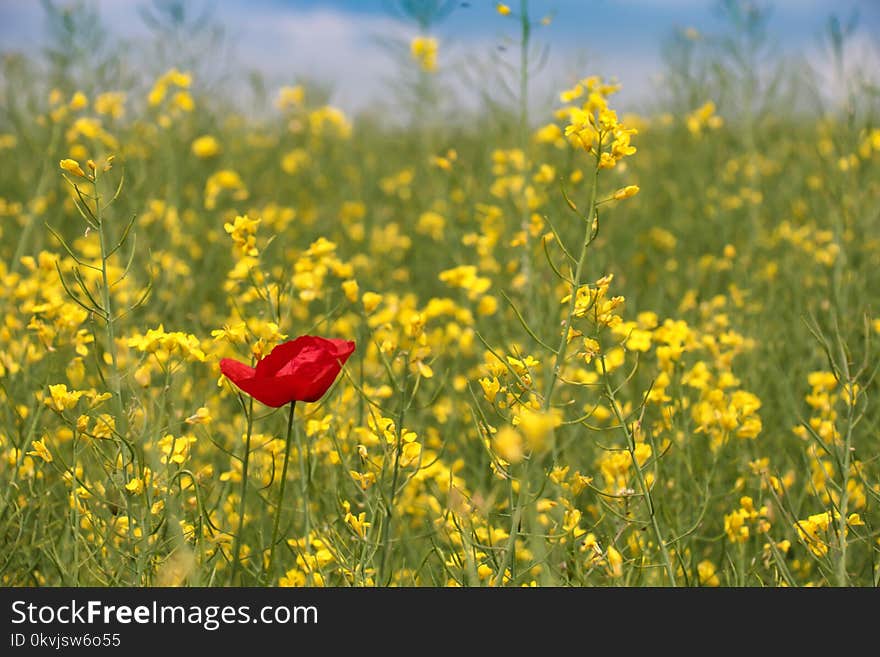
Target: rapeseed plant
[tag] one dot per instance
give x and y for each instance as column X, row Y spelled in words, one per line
column 592, row 348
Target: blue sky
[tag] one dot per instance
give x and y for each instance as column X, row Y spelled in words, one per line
column 336, row 39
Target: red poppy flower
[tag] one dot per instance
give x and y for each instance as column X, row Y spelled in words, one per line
column 299, row 370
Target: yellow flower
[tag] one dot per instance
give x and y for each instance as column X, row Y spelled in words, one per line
column 105, row 425
column 72, row 167
column 183, row 101
column 243, row 233
column 707, row 575
column 855, row 520
column 40, row 450
column 411, row 452
column 175, row 449
column 702, row 117
column 639, row 340
column 292, row 578
column 432, row 224
column 488, row 306
column 135, row 486
column 537, row 427
column 76, row 371
column 201, row 416
column 549, row 134
column 508, row 444
column 626, row 192
column 179, row 79
column 236, row 334
column 178, row 342
column 490, row 388
column 112, row 103
column 329, row 120
column 445, row 161
column 78, row 101
column 364, row 480
column 502, row 9
column 205, row 146
column 615, row 562
column 812, row 531
column 60, row 399
column 290, row 97
column 570, row 95
column 225, row 179
column 350, row 289
column 295, row 160
column 424, row 51
column 357, row 522
column 371, row 301
column 172, row 78
column 591, row 349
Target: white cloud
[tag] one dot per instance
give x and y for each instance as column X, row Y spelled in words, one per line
column 341, row 48
column 324, row 45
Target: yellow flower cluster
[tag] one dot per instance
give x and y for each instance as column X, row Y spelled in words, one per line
column 222, row 181
column 703, row 117
column 163, row 344
column 166, row 83
column 817, row 530
column 243, row 231
column 424, row 51
column 595, row 127
column 742, row 522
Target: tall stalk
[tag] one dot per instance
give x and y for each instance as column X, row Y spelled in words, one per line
column 644, row 489
column 525, row 38
column 302, row 451
column 236, row 545
column 389, row 511
column 110, row 329
column 305, row 489
column 559, row 357
column 558, row 360
column 845, row 463
column 106, row 300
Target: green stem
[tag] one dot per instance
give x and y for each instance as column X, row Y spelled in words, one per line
column 559, row 359
column 116, row 378
column 236, row 547
column 74, row 511
column 107, row 301
column 389, row 511
column 515, row 516
column 524, row 123
column 841, row 575
column 524, row 68
column 640, row 477
column 301, row 457
column 362, row 339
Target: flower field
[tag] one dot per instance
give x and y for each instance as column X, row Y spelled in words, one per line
column 591, row 347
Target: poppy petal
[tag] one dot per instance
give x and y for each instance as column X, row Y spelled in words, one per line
column 299, row 370
column 281, row 355
column 236, row 371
